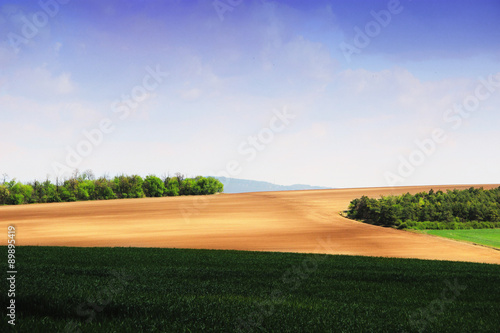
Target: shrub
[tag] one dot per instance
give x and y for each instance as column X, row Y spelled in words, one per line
column 471, row 208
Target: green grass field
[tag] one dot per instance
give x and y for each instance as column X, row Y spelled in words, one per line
column 167, row 290
column 490, row 237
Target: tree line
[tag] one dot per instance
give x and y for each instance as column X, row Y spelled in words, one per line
column 85, row 186
column 473, row 208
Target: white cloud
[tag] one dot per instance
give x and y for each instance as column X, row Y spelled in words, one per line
column 190, row 94
column 311, row 59
column 63, row 84
column 40, row 83
column 47, row 113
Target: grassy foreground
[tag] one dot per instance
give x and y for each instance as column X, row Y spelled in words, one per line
column 490, row 237
column 62, row 289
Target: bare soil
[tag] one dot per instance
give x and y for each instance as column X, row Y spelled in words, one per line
column 291, row 221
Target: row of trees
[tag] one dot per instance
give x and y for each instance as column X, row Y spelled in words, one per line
column 84, row 186
column 455, row 209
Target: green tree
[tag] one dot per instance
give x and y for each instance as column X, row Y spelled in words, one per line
column 209, row 185
column 84, row 186
column 128, row 186
column 19, row 193
column 4, row 195
column 153, row 186
column 66, row 194
column 69, row 191
column 471, row 208
column 172, row 187
column 86, row 190
column 38, row 194
column 189, row 187
column 51, row 191
column 104, row 189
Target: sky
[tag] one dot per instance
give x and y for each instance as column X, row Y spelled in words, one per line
column 328, row 93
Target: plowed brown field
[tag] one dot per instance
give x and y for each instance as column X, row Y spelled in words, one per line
column 292, row 221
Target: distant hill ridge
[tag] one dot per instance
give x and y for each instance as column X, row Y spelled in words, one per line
column 235, row 185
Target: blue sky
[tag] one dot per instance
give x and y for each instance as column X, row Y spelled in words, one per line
column 227, row 72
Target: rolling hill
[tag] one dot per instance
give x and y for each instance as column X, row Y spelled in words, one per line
column 286, row 221
column 235, row 185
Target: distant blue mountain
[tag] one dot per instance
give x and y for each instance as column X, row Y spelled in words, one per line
column 234, row 185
